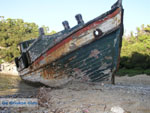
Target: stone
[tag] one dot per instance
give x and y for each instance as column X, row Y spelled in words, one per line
column 117, row 109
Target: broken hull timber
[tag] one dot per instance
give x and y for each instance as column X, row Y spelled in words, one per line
column 91, row 54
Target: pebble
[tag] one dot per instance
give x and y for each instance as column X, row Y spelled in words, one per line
column 117, row 109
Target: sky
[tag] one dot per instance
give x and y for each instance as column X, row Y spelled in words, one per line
column 51, row 13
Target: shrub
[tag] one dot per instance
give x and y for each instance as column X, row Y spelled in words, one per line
column 136, row 50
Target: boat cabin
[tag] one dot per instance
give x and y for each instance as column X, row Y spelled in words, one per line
column 24, row 45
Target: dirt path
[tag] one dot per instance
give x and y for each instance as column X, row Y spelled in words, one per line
column 130, row 94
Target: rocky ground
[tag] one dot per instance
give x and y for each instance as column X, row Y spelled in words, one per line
column 129, row 95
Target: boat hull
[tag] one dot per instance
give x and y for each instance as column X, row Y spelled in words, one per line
column 94, row 62
column 88, row 53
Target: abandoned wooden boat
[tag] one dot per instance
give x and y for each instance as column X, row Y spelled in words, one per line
column 88, row 52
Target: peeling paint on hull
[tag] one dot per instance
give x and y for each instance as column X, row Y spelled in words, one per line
column 81, row 64
column 88, row 54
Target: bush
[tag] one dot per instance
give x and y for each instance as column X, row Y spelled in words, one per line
column 14, row 31
column 136, row 50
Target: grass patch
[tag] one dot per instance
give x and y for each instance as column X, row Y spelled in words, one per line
column 132, row 72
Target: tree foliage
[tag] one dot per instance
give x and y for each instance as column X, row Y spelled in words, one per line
column 47, row 31
column 136, row 49
column 12, row 32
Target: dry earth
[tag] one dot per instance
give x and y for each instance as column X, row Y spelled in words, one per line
column 129, row 95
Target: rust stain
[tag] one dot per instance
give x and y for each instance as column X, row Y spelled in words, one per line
column 48, row 73
column 51, row 73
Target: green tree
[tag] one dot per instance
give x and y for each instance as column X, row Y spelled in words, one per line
column 14, row 31
column 136, row 49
